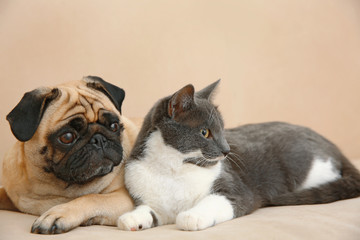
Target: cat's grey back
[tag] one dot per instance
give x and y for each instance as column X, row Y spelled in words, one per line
column 280, row 140
column 272, row 159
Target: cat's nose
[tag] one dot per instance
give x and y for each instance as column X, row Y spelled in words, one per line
column 223, row 146
column 225, row 152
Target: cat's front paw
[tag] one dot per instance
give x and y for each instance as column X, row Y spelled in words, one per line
column 193, row 221
column 139, row 219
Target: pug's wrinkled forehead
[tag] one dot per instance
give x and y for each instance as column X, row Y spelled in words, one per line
column 82, row 99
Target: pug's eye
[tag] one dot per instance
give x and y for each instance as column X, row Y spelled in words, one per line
column 67, row 138
column 114, row 127
column 205, row 132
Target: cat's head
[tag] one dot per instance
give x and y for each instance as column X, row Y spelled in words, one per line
column 191, row 123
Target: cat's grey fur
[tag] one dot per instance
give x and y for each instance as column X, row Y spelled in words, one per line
column 267, row 164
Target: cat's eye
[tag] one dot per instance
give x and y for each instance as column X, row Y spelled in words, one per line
column 67, row 138
column 205, row 132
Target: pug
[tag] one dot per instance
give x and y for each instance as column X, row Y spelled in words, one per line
column 67, row 165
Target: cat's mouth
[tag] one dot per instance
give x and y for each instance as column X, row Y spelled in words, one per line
column 204, row 162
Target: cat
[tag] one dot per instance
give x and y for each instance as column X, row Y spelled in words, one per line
column 186, row 169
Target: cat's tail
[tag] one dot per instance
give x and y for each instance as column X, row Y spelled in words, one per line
column 348, row 186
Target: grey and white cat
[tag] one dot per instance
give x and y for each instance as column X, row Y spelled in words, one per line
column 186, row 169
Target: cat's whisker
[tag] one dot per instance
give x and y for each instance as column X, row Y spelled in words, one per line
column 229, row 159
column 236, row 161
column 201, row 161
column 237, row 156
column 243, row 164
column 233, row 154
column 205, row 161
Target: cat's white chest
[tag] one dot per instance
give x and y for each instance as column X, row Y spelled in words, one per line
column 163, row 182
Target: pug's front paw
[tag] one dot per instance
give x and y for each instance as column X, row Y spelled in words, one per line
column 58, row 219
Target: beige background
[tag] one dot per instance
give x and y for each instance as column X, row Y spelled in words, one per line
column 296, row 61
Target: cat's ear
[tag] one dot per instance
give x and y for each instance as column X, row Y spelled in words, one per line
column 181, row 101
column 208, row 92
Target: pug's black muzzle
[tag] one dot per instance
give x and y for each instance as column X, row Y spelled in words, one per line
column 95, row 159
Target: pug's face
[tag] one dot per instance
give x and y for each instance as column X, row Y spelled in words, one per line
column 72, row 131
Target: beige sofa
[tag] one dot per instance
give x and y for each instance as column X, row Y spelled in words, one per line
column 339, row 220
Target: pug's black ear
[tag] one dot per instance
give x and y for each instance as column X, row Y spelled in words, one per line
column 114, row 93
column 25, row 118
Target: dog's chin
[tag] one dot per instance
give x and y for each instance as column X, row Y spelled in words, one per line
column 87, row 173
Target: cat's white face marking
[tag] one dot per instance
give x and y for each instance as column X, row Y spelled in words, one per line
column 158, row 152
column 322, row 171
column 162, row 181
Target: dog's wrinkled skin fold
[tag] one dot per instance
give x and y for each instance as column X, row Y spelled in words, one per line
column 69, row 186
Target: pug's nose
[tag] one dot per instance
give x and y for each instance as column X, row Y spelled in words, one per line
column 98, row 140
